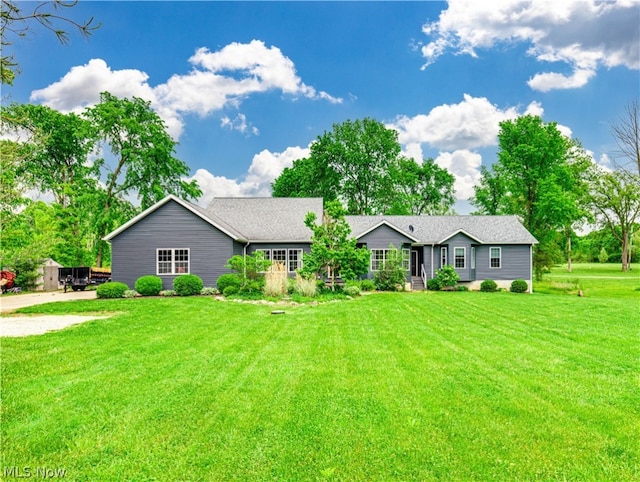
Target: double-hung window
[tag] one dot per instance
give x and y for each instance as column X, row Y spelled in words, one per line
column 495, row 257
column 443, row 256
column 459, row 258
column 291, row 258
column 295, row 259
column 172, row 261
column 380, row 256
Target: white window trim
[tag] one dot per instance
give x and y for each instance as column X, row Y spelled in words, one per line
column 499, row 257
column 472, row 257
column 300, row 252
column 406, row 259
column 444, row 256
column 464, row 257
column 173, row 261
column 268, row 254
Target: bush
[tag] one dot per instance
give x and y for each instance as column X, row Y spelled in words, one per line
column 188, row 285
column 352, row 290
column 519, row 286
column 447, row 276
column 462, row 288
column 276, row 280
column 228, row 280
column 367, row 285
column 306, row 287
column 209, row 291
column 230, row 291
column 111, row 289
column 603, row 257
column 167, row 293
column 392, row 276
column 148, row 285
column 488, row 286
column 433, row 284
column 130, row 294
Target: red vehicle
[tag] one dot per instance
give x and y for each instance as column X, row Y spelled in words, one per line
column 7, row 280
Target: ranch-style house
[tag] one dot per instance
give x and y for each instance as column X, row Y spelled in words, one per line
column 174, row 237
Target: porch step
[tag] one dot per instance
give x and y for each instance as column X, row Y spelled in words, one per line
column 416, row 283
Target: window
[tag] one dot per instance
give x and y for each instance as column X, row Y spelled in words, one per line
column 459, row 258
column 473, row 258
column 172, row 261
column 443, row 256
column 379, row 257
column 295, row 259
column 266, row 253
column 495, row 257
column 279, row 256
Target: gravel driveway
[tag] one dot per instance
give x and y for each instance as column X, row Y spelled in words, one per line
column 23, row 325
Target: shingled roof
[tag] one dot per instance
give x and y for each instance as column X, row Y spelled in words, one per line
column 437, row 229
column 267, row 219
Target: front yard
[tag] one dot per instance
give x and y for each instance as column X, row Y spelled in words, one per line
column 404, row 386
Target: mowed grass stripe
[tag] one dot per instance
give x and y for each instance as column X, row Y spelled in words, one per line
column 420, row 386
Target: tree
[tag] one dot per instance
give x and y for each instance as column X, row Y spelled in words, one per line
column 307, row 178
column 615, row 197
column 626, row 133
column 421, row 188
column 333, row 252
column 15, row 22
column 538, row 177
column 141, row 152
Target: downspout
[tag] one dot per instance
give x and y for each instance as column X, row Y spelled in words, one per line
column 530, row 268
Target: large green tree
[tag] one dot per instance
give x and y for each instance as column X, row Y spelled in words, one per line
column 615, row 198
column 139, row 160
column 333, row 251
column 538, row 176
column 360, row 163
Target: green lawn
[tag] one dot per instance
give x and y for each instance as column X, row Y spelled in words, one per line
column 406, row 386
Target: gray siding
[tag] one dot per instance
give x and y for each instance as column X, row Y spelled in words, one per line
column 171, row 226
column 381, row 237
column 515, row 263
column 430, row 264
column 460, row 241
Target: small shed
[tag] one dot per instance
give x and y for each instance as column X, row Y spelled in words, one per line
column 48, row 280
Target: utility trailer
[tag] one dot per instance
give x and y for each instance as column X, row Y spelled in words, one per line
column 79, row 277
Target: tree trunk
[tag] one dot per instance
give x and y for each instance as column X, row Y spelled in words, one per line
column 569, row 250
column 625, row 251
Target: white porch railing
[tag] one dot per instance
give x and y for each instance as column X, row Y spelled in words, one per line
column 423, row 275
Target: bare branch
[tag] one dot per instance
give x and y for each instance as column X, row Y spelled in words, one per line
column 626, row 133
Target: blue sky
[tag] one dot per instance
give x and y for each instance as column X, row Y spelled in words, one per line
column 245, row 87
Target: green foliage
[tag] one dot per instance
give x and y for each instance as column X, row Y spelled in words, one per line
column 333, row 252
column 188, row 285
column 149, row 285
column 519, row 286
column 540, row 176
column 208, row 291
column 393, row 275
column 228, row 279
column 130, row 294
column 367, row 285
column 168, row 293
column 603, row 257
column 111, row 289
column 230, row 291
column 488, row 286
column 447, row 277
column 433, row 284
column 352, row 290
column 249, row 267
column 26, row 271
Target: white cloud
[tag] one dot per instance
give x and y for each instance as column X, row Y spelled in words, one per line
column 218, row 80
column 584, row 34
column 470, row 124
column 239, row 124
column 465, row 166
column 265, row 168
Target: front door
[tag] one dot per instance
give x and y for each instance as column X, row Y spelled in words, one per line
column 415, row 263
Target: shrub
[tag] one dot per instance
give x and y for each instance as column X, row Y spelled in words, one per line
column 447, row 276
column 111, row 289
column 228, row 280
column 148, row 285
column 276, row 280
column 367, row 285
column 352, row 290
column 603, row 257
column 519, row 286
column 433, row 284
column 305, row 286
column 130, row 294
column 188, row 285
column 209, row 291
column 462, row 288
column 252, row 286
column 392, row 276
column 230, row 291
column 488, row 286
column 167, row 293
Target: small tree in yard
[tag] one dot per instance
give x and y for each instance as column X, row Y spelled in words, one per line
column 332, row 250
column 393, row 274
column 249, row 268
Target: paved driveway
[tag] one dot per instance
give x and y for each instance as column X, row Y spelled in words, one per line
column 13, row 302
